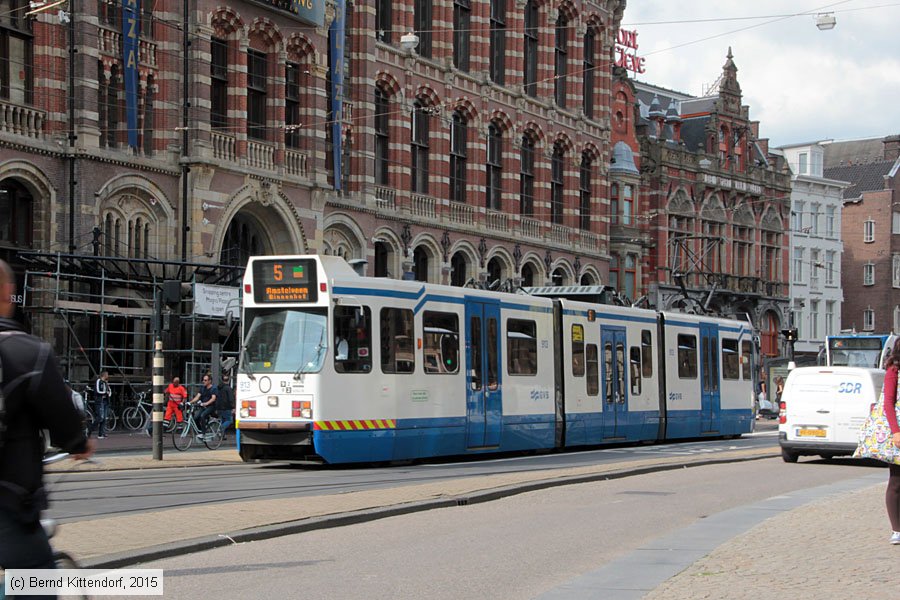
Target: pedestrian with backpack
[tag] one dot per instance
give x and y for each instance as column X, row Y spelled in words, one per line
column 33, row 398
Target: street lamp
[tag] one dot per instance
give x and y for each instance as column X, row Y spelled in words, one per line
column 825, row 21
column 409, row 41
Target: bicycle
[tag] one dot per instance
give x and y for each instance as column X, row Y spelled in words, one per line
column 184, row 433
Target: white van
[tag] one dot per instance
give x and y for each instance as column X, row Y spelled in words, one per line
column 823, row 408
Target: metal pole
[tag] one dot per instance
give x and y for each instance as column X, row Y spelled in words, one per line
column 159, row 363
column 185, row 120
column 72, row 137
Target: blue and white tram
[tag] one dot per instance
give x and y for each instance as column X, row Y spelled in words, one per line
column 341, row 368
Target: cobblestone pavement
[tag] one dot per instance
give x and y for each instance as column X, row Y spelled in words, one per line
column 834, row 548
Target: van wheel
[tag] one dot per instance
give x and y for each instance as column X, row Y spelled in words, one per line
column 788, row 456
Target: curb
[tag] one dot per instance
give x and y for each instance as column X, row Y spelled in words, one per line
column 208, row 542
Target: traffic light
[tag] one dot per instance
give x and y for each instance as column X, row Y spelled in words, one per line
column 790, row 334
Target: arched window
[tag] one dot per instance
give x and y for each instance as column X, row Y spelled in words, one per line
column 423, row 24
column 561, row 52
column 108, row 235
column 498, row 41
column 531, row 47
column 526, row 177
column 419, row 150
column 148, row 115
column 458, row 157
column 383, row 24
column 292, row 88
column 557, row 185
column 112, row 108
column 218, row 114
column 382, row 136
column 614, row 204
column 257, row 93
column 462, row 26
column 585, row 193
column 135, row 250
column 588, row 73
column 494, row 168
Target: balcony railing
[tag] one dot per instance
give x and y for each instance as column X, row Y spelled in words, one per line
column 423, row 206
column 589, row 240
column 110, row 42
column 386, row 198
column 497, row 221
column 462, row 213
column 295, row 163
column 260, row 155
column 531, row 228
column 559, row 234
column 22, row 120
column 224, row 146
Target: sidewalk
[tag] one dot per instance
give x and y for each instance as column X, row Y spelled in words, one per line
column 826, row 544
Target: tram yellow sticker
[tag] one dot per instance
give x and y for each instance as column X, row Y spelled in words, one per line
column 355, row 425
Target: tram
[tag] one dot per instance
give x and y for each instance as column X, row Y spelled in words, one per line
column 340, row 368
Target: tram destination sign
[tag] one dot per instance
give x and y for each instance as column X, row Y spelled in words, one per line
column 284, row 281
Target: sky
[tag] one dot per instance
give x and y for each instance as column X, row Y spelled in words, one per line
column 801, row 84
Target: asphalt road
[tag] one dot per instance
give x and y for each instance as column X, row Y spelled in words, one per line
column 518, row 547
column 78, row 496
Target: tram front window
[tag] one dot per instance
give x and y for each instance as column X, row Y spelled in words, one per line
column 285, row 341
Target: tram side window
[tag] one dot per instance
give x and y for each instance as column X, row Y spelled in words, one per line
column 593, row 370
column 635, row 370
column 577, row 350
column 687, row 356
column 441, row 343
column 353, row 339
column 746, row 358
column 730, row 359
column 397, row 341
column 521, row 347
column 646, row 353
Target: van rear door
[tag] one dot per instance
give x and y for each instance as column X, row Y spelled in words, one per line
column 810, row 406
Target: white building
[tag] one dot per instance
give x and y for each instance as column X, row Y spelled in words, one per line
column 815, row 272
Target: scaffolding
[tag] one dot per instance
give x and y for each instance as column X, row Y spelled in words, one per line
column 103, row 313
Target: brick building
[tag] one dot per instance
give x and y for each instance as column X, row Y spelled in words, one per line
column 870, row 231
column 711, row 210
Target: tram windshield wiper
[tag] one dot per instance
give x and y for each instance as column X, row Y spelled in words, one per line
column 245, row 363
column 320, row 348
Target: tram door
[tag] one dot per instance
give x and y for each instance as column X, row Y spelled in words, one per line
column 484, row 405
column 615, row 375
column 710, row 398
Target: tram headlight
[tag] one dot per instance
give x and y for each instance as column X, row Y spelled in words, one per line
column 248, row 408
column 273, row 401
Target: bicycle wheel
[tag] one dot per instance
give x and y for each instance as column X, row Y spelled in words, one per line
column 214, row 434
column 183, row 436
column 65, row 561
column 110, row 420
column 133, row 418
column 171, row 424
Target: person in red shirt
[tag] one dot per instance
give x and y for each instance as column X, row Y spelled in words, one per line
column 176, row 395
column 892, row 495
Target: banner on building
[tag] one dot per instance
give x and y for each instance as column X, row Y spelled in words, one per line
column 217, row 300
column 337, row 88
column 131, row 30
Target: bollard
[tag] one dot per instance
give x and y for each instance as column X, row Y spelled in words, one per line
column 159, row 363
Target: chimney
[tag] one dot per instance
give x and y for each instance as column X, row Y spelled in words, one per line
column 891, row 147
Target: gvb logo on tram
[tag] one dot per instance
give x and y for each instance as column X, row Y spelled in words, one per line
column 340, row 368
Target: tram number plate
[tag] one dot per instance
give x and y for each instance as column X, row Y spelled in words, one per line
column 806, row 432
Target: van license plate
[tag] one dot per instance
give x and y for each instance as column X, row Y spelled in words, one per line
column 805, row 432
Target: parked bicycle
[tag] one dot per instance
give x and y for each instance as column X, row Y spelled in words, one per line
column 185, row 432
column 138, row 416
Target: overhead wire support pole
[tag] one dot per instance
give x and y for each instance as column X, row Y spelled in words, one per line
column 185, row 133
column 72, row 137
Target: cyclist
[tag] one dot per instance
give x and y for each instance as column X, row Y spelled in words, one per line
column 34, row 398
column 225, row 403
column 206, row 398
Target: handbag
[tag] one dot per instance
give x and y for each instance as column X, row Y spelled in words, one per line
column 875, row 435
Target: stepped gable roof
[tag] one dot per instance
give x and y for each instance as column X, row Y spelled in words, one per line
column 853, row 152
column 864, row 177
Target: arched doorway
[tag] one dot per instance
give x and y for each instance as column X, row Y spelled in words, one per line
column 495, row 272
column 16, row 214
column 770, row 325
column 528, row 275
column 383, row 252
column 244, row 238
column 559, row 276
column 459, row 269
column 420, row 264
